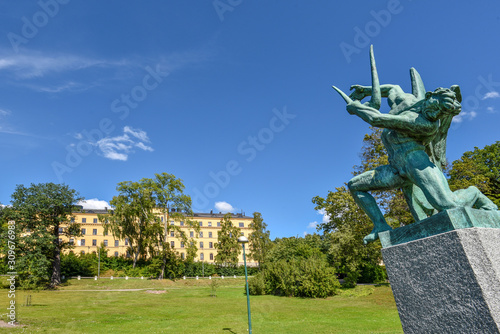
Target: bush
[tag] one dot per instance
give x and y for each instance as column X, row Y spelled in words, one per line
column 256, row 285
column 312, row 278
column 371, row 273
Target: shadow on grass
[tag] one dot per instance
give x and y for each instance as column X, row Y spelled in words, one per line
column 229, row 330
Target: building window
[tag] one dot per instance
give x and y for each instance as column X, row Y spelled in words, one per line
column 183, row 256
column 210, row 245
column 95, row 220
column 218, row 224
column 82, row 242
column 182, row 223
column 191, row 234
column 182, row 244
column 212, row 256
column 71, row 241
column 94, row 231
column 117, row 243
column 84, row 231
column 201, row 234
column 209, row 234
column 242, row 233
column 201, row 223
column 161, row 219
column 60, row 230
column 72, row 219
column 209, row 223
column 84, row 220
column 116, row 254
column 172, row 223
column 201, row 244
column 242, row 224
column 94, row 242
column 172, row 234
column 126, row 241
column 172, row 244
column 105, row 242
column 59, row 240
column 202, row 256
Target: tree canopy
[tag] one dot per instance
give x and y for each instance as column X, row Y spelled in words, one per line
column 259, row 241
column 227, row 245
column 480, row 168
column 42, row 215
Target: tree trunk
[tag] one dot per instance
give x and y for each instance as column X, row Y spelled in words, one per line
column 55, row 280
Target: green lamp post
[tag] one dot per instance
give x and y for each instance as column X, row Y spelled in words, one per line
column 243, row 240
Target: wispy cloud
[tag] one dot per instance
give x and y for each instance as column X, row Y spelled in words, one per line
column 5, row 112
column 464, row 115
column 224, row 207
column 32, row 65
column 491, row 95
column 120, row 147
column 491, row 110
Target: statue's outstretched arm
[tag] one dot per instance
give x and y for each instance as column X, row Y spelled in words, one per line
column 412, row 124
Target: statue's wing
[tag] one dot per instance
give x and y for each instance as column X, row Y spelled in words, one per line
column 417, row 85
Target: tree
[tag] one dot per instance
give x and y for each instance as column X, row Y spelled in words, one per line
column 259, row 241
column 168, row 193
column 348, row 224
column 227, row 245
column 480, row 168
column 133, row 218
column 39, row 212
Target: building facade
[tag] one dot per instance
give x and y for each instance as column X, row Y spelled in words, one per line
column 93, row 235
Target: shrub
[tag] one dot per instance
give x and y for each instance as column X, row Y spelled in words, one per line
column 312, row 278
column 256, row 285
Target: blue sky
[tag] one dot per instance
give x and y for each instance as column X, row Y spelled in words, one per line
column 232, row 96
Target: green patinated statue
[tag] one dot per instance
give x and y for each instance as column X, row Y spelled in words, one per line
column 415, row 131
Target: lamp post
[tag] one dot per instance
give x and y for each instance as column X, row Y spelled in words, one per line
column 243, row 240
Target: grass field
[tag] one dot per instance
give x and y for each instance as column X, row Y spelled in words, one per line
column 186, row 306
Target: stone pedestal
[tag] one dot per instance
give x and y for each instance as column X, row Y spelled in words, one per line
column 448, row 281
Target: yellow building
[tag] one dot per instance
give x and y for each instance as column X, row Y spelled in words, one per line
column 209, row 223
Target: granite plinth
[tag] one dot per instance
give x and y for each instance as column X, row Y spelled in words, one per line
column 449, row 282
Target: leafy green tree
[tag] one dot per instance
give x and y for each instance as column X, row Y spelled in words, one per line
column 259, row 241
column 227, row 245
column 480, row 168
column 168, row 192
column 42, row 215
column 133, row 218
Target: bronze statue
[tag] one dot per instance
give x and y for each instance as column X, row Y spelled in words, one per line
column 414, row 135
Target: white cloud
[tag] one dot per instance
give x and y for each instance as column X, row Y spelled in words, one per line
column 119, row 147
column 325, row 219
column 491, row 110
column 224, row 207
column 491, row 95
column 312, row 225
column 464, row 115
column 94, row 204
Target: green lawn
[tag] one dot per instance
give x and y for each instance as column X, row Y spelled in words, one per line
column 187, row 307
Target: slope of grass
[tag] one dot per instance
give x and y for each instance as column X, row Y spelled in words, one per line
column 187, row 307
